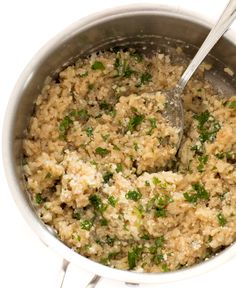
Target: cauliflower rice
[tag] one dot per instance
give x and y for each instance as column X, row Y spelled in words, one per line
column 101, row 166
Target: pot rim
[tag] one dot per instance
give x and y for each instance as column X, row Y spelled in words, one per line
column 27, row 212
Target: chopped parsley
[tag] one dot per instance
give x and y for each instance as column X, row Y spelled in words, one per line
column 119, row 167
column 76, row 215
column 145, row 237
column 134, row 256
column 86, row 224
column 159, row 242
column 134, row 195
column 48, row 175
column 79, row 114
column 105, row 137
column 230, row 104
column 202, row 162
column 91, row 86
column 98, row 65
column 153, row 123
column 221, row 219
column 64, row 125
column 115, row 147
column 158, row 258
column 136, row 146
column 107, row 176
column 135, row 122
column 89, row 131
column 112, row 200
column 161, row 203
column 82, row 75
column 200, row 193
column 156, row 181
column 122, row 67
column 165, row 268
column 147, row 183
column 102, row 151
column 39, row 199
column 103, row 105
column 207, row 126
column 107, row 107
column 109, row 240
column 103, row 222
column 228, row 155
column 96, row 201
column 137, row 56
column 144, row 79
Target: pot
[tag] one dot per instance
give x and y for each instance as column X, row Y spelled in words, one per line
column 146, row 27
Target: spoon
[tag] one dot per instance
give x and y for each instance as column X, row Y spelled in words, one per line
column 174, row 108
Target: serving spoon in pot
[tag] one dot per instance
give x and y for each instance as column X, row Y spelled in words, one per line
column 174, row 108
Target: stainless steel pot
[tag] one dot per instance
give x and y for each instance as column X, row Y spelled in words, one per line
column 142, row 26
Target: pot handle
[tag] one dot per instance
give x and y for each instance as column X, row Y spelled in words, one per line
column 65, row 264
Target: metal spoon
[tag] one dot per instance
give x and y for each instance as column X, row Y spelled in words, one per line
column 174, row 107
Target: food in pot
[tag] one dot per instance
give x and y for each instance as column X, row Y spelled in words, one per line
column 101, row 169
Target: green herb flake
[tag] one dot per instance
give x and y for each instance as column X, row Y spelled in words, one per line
column 228, row 155
column 145, row 237
column 48, row 175
column 144, row 79
column 98, row 65
column 147, row 183
column 112, row 200
column 136, row 146
column 137, row 56
column 134, row 195
column 115, row 147
column 78, row 238
column 156, row 181
column 107, row 176
column 221, row 219
column 159, row 242
column 64, row 125
column 133, row 257
column 230, row 104
column 207, row 126
column 160, row 212
column 200, row 193
column 165, row 268
column 102, row 151
column 76, row 215
column 82, row 75
column 153, row 123
column 135, row 122
column 103, row 105
column 96, row 201
column 110, row 240
column 103, row 222
column 89, row 131
column 91, row 86
column 122, row 67
column 202, row 162
column 158, row 258
column 86, row 224
column 119, row 167
column 105, row 137
column 38, row 198
column 79, row 114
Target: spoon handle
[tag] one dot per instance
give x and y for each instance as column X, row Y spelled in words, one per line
column 226, row 18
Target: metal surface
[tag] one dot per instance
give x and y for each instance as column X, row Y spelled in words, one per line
column 135, row 25
column 174, row 108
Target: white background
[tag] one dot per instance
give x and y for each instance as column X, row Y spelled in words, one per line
column 24, row 27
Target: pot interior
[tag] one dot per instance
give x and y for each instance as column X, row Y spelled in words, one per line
column 145, row 31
